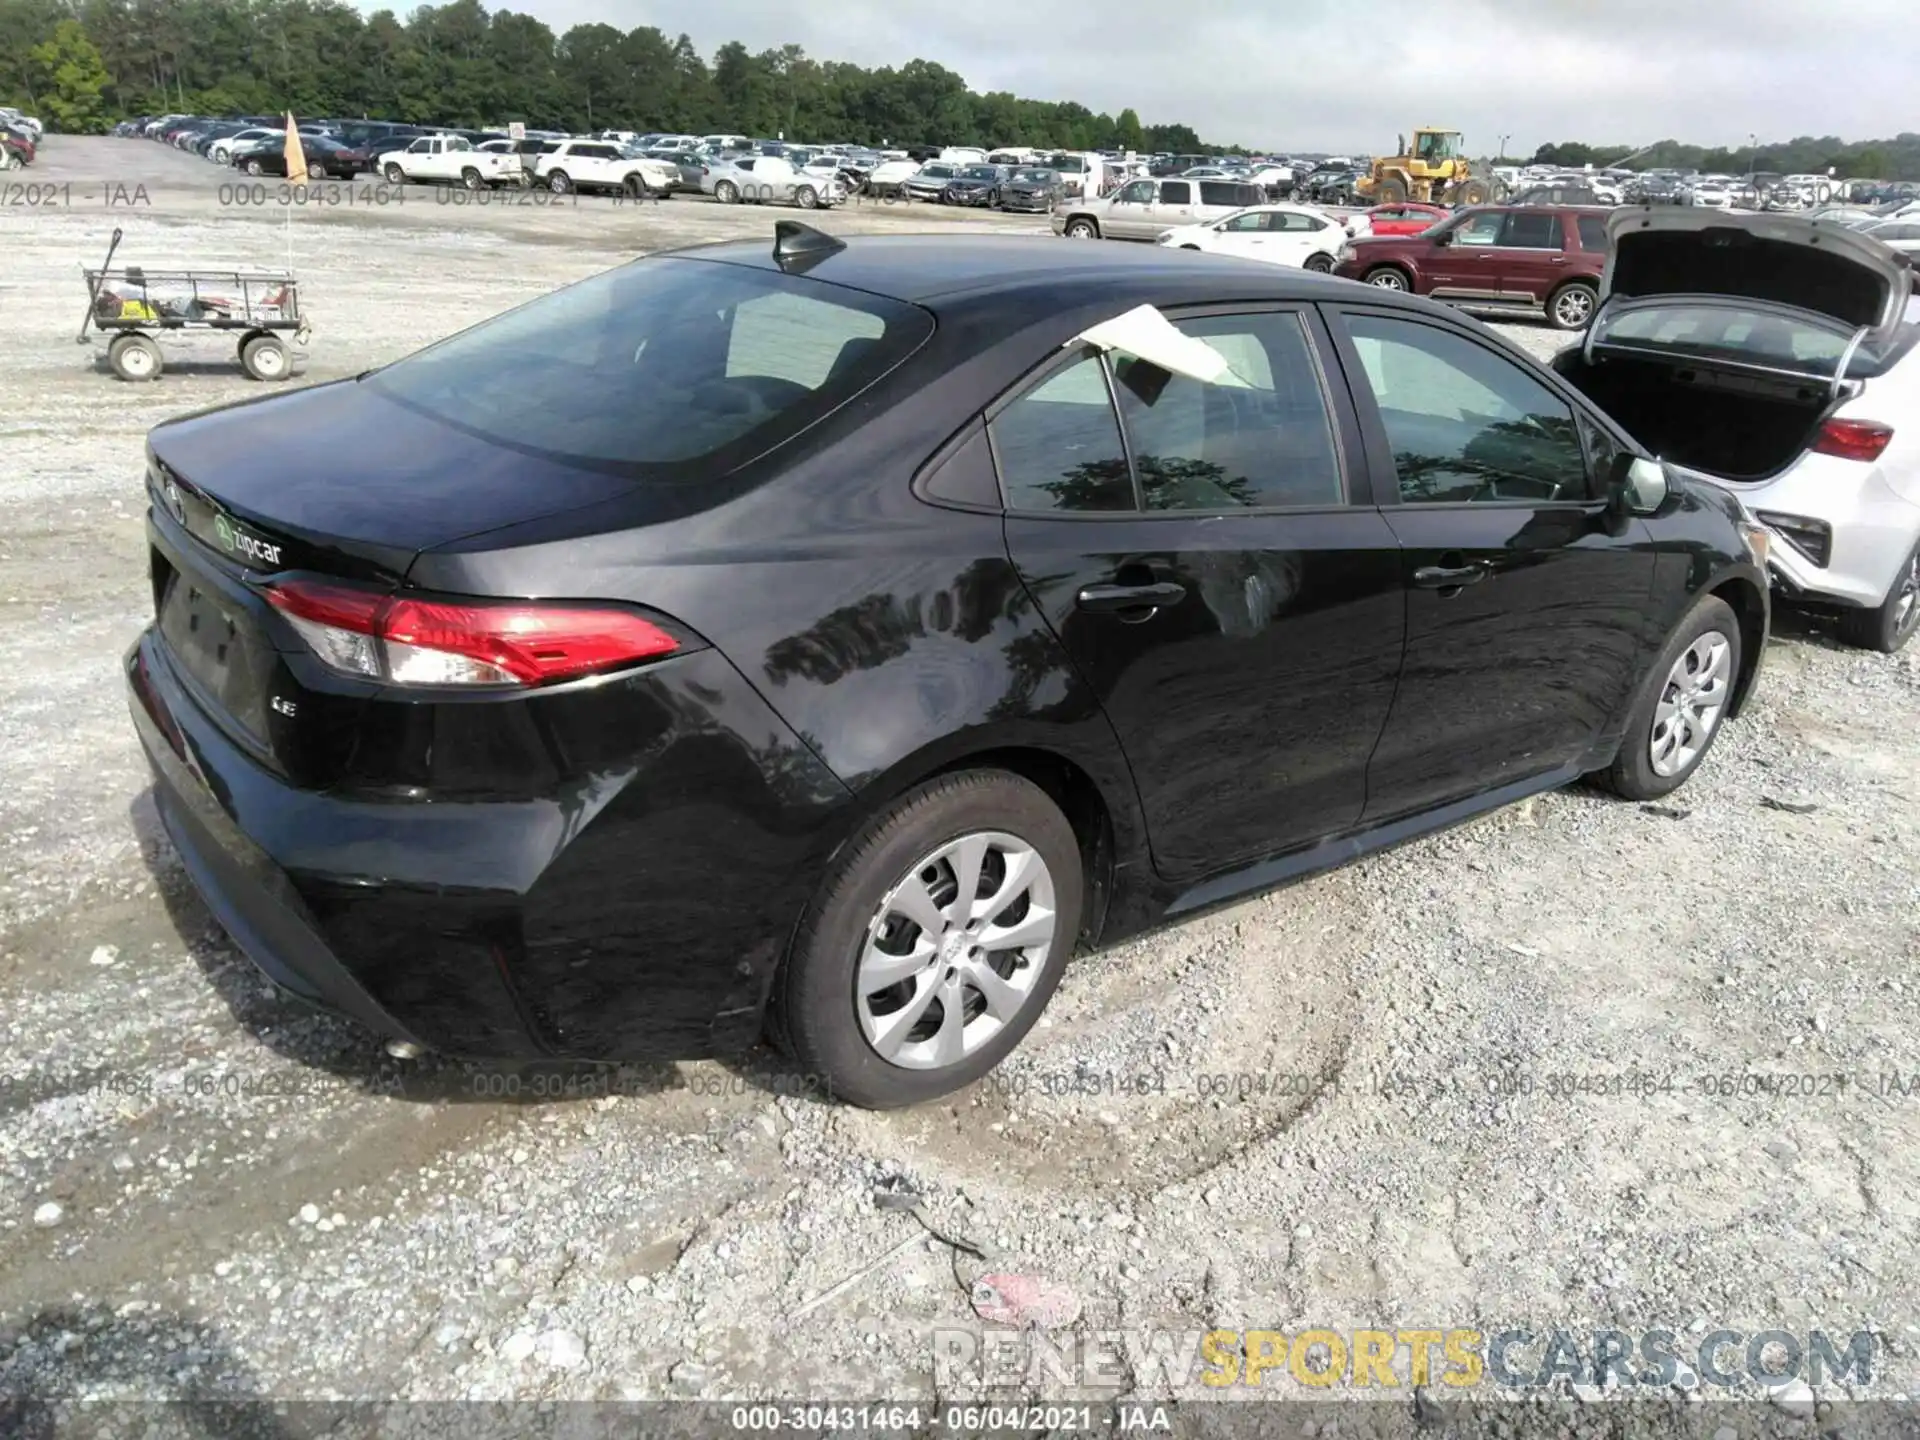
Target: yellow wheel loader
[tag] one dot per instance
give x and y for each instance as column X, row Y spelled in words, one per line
column 1434, row 169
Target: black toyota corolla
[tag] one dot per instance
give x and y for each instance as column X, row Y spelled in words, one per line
column 832, row 638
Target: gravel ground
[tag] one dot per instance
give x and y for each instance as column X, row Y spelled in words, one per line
column 207, row 1191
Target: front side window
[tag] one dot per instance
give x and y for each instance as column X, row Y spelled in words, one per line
column 1241, row 224
column 1466, row 424
column 1176, row 192
column 1482, row 229
column 1138, row 193
column 661, row 363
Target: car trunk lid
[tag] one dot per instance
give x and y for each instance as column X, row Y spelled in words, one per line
column 356, row 485
column 1813, row 265
column 349, row 485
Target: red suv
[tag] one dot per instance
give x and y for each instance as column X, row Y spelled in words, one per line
column 1533, row 259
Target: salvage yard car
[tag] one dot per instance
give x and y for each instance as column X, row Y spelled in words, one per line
column 835, row 636
column 1141, row 209
column 450, row 160
column 1278, row 234
column 1777, row 354
column 1528, row 258
column 1030, row 189
column 602, row 165
column 769, row 179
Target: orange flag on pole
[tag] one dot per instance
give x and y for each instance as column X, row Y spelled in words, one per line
column 296, row 154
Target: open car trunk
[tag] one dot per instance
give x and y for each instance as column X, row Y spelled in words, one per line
column 1722, row 342
column 1739, row 427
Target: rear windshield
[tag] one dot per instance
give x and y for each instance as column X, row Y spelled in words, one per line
column 1752, row 336
column 660, row 363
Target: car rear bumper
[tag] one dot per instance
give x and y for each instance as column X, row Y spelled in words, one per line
column 640, row 918
column 1871, row 529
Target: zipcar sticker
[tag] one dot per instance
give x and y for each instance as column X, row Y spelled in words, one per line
column 1145, row 332
column 237, row 542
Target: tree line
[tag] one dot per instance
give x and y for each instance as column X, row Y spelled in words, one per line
column 1895, row 159
column 80, row 64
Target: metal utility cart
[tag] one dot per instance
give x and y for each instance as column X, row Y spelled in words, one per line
column 136, row 307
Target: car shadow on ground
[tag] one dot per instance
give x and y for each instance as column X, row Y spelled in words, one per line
column 1809, row 627
column 200, row 1389
column 319, row 1040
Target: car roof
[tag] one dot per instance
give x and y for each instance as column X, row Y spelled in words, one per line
column 928, row 269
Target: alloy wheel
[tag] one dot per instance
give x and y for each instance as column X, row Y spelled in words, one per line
column 954, row 950
column 1573, row 307
column 1690, row 705
column 1387, row 280
column 1906, row 604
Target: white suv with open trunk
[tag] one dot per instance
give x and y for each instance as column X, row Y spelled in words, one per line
column 1778, row 356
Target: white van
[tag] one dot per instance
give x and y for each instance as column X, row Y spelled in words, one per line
column 963, row 155
column 718, row 143
column 1080, row 173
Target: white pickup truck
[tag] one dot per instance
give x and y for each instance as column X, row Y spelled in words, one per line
column 450, row 160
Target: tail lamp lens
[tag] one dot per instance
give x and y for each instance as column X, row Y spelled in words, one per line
column 413, row 641
column 1853, row 439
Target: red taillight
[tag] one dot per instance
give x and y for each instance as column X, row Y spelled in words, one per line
column 441, row 642
column 1853, row 439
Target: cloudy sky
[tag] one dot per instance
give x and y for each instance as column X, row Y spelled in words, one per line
column 1350, row 74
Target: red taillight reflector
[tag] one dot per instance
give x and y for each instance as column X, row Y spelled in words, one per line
column 1853, row 439
column 443, row 642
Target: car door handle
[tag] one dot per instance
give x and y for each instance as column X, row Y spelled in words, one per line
column 1450, row 577
column 1106, row 599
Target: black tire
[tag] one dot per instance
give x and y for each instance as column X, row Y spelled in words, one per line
column 265, row 358
column 1571, row 307
column 806, row 197
column 473, row 179
column 813, row 1015
column 254, row 167
column 1884, row 627
column 1632, row 776
column 634, row 187
column 1320, row 263
column 134, row 356
column 558, row 182
column 1082, row 227
column 726, row 192
column 1389, row 192
column 395, row 175
column 1388, row 277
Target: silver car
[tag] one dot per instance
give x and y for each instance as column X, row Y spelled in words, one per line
column 769, row 179
column 1779, row 357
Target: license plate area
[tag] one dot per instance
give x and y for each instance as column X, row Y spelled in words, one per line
column 221, row 650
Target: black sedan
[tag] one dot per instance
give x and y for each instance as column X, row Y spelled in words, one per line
column 976, row 185
column 832, row 638
column 1030, row 188
column 326, row 159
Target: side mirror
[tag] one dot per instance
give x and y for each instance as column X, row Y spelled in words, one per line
column 1443, row 239
column 1636, row 486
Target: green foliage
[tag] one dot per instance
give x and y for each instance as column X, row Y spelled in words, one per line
column 71, row 80
column 1895, row 159
column 457, row 63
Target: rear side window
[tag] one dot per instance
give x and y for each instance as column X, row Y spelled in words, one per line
column 1593, row 233
column 1222, row 192
column 1532, row 230
column 659, row 364
column 1259, row 438
column 1058, row 445
column 1264, row 439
